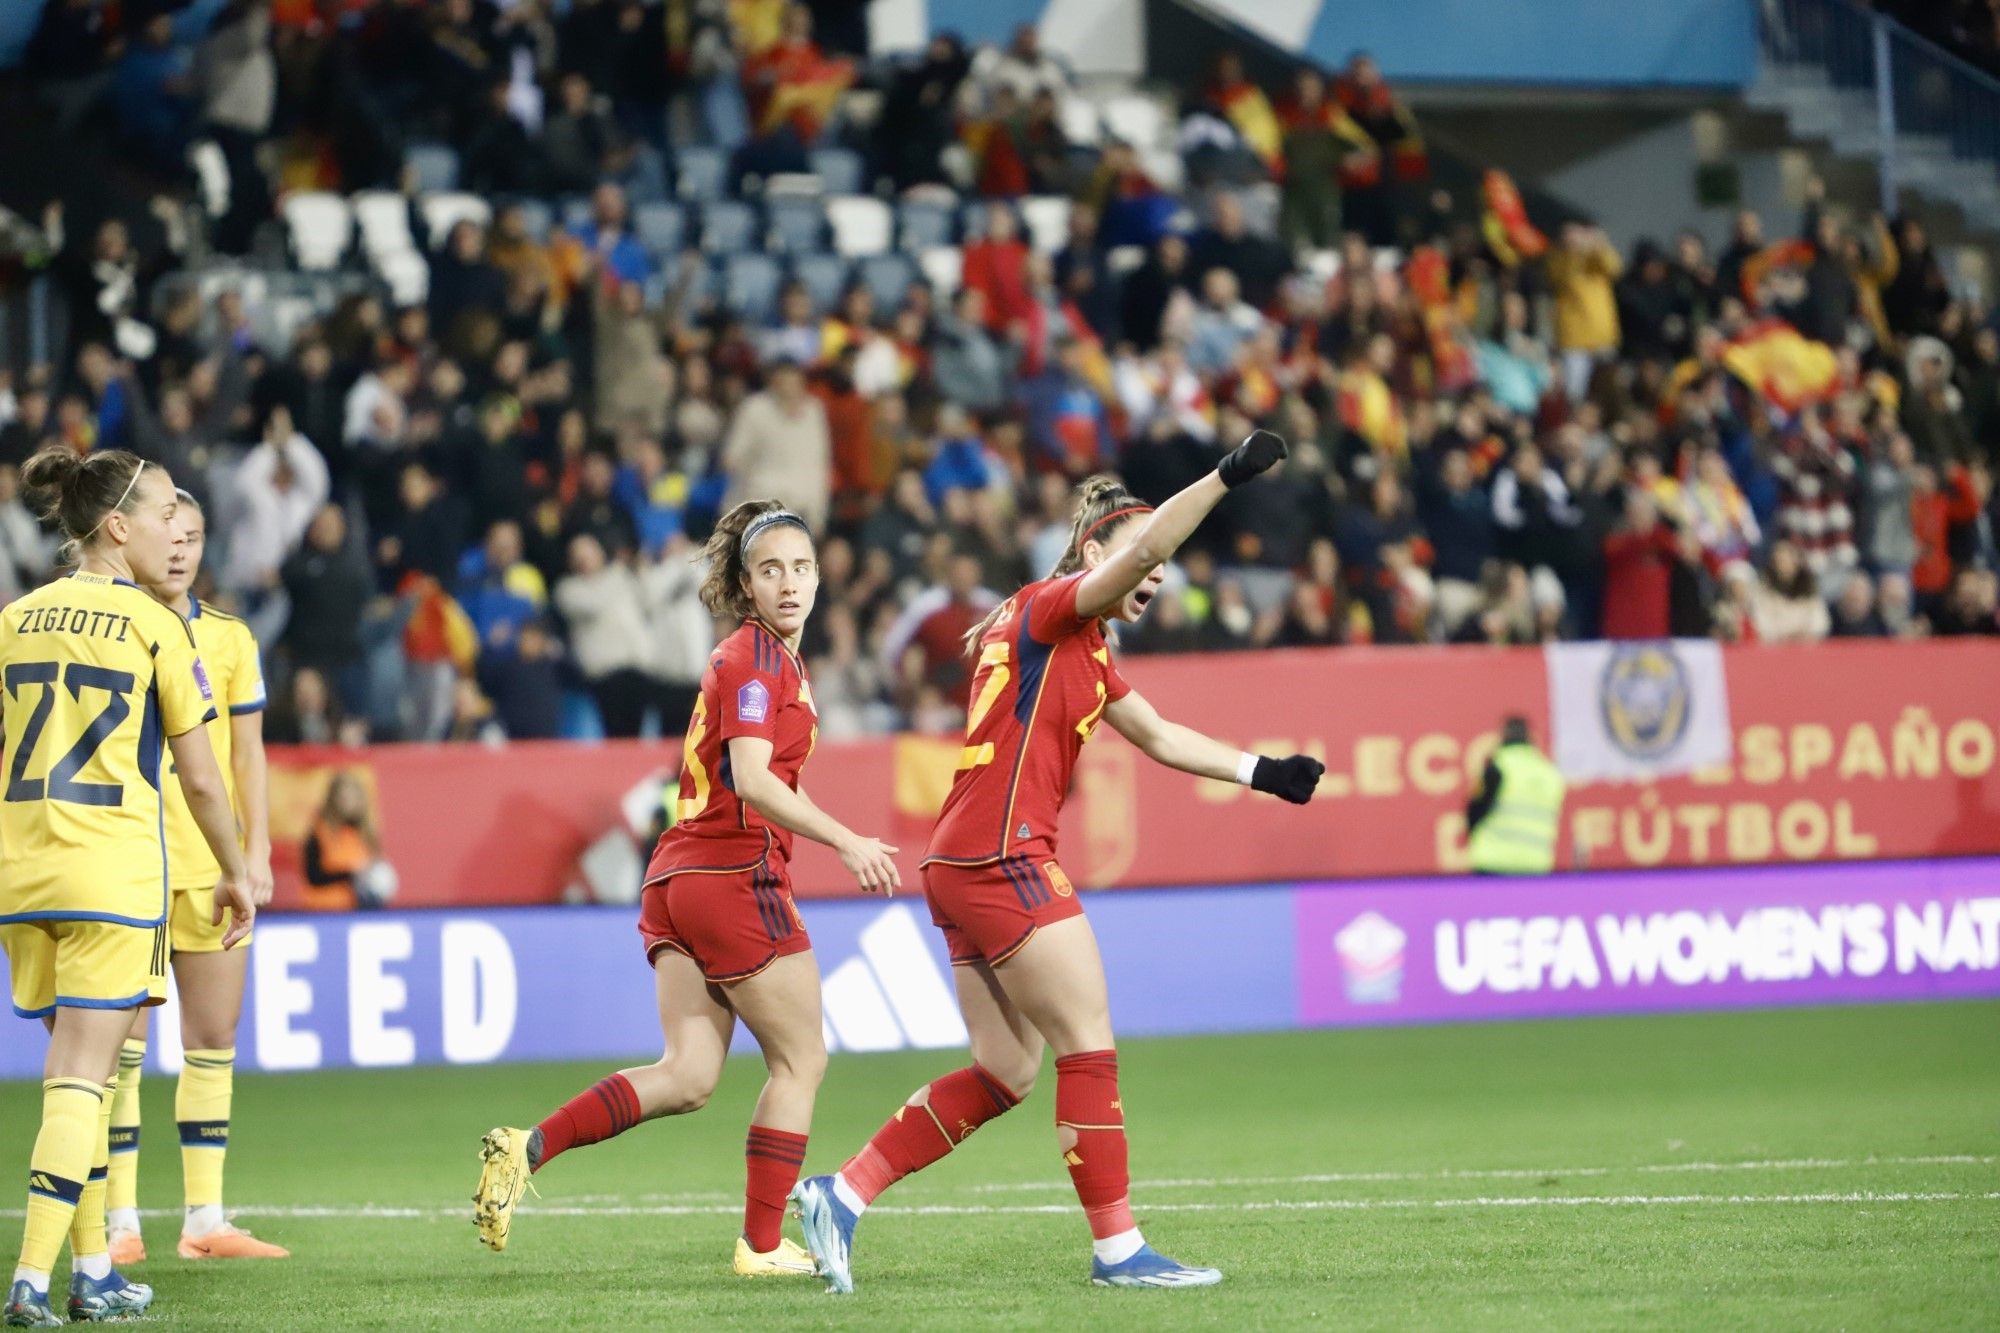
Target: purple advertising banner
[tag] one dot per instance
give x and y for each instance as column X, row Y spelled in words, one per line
column 1427, row 951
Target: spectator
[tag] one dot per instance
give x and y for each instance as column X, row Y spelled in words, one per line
column 970, row 366
column 327, row 583
column 916, row 123
column 1815, row 476
column 780, row 446
column 581, row 144
column 1786, row 606
column 1892, row 542
column 1973, row 608
column 793, row 85
column 1716, row 513
column 926, row 645
column 1258, row 263
column 1153, row 292
column 1458, row 518
column 1581, row 273
column 635, row 380
column 1369, row 180
column 1638, row 572
column 26, row 553
column 523, row 681
column 1318, row 137
column 796, row 336
column 465, row 288
column 1023, row 68
column 596, row 510
column 601, row 601
column 429, row 533
column 280, row 486
column 1854, row 614
column 1933, row 410
column 341, row 849
column 238, row 78
column 1083, row 271
column 682, row 633
column 996, row 266
column 1067, row 417
column 1222, row 324
column 607, row 237
column 499, row 591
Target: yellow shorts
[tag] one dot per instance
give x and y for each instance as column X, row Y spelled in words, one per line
column 84, row 965
column 188, row 922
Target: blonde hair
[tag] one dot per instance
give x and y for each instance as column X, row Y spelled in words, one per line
column 1097, row 499
column 79, row 491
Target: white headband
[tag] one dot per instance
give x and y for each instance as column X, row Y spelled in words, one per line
column 122, row 498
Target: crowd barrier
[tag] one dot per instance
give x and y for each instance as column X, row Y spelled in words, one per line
column 1843, row 751
column 543, row 983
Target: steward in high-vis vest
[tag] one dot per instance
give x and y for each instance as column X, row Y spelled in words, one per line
column 1513, row 819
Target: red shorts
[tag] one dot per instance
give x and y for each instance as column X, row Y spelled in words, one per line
column 988, row 912
column 734, row 923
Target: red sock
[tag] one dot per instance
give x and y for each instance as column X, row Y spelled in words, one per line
column 605, row 1109
column 1087, row 1103
column 772, row 1159
column 916, row 1136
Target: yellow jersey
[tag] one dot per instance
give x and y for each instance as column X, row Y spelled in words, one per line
column 94, row 675
column 229, row 654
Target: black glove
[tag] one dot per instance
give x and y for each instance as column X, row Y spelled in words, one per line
column 1293, row 778
column 1260, row 451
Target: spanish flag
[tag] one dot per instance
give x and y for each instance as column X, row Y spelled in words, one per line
column 1788, row 368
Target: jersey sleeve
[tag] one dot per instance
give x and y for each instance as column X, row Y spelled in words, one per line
column 1116, row 687
column 186, row 701
column 244, row 691
column 1052, row 609
column 750, row 686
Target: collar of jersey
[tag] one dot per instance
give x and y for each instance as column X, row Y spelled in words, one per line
column 194, row 603
column 89, row 577
column 776, row 638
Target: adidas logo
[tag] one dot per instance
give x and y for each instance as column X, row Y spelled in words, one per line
column 893, row 996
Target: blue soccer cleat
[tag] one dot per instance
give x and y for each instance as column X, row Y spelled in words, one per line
column 96, row 1300
column 28, row 1308
column 829, row 1228
column 1150, row 1268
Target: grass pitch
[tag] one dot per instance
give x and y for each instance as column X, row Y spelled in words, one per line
column 1830, row 1168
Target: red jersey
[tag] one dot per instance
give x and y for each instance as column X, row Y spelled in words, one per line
column 754, row 686
column 1040, row 685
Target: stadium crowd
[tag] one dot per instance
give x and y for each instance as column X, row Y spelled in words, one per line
column 472, row 515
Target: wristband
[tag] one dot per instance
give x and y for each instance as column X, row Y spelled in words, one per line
column 1246, row 768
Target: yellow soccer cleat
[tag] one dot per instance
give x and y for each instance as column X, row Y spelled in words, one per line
column 788, row 1260
column 503, row 1178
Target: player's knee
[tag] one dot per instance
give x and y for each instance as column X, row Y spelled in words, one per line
column 806, row 1067
column 1016, row 1075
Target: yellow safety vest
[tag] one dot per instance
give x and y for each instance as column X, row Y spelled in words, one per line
column 1518, row 835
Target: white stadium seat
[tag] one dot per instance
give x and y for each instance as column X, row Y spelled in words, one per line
column 861, row 225
column 447, row 209
column 321, row 228
column 384, row 217
column 944, row 268
column 1046, row 218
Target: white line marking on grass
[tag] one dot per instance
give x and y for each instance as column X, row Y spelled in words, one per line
column 372, row 1212
column 1508, row 1173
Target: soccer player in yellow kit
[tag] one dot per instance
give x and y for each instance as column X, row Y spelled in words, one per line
column 208, row 977
column 94, row 673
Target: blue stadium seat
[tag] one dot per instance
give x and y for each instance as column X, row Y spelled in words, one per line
column 701, row 173
column 535, row 215
column 921, row 225
column 661, row 228
column 728, row 226
column 575, row 211
column 825, row 276
column 839, row 170
column 888, row 277
column 794, row 223
column 972, row 217
column 703, row 287
column 750, row 284
column 436, row 166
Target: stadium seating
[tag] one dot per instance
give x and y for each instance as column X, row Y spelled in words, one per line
column 660, row 227
column 888, row 277
column 861, row 225
column 1046, row 219
column 840, row 170
column 701, row 173
column 794, row 223
column 750, row 283
column 923, row 225
column 943, row 267
column 536, row 216
column 320, row 227
column 823, row 275
column 384, row 219
column 435, row 166
column 728, row 226
column 446, row 210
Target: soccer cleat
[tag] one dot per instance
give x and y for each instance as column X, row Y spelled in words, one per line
column 226, row 1242
column 28, row 1308
column 787, row 1260
column 829, row 1230
column 1150, row 1268
column 503, row 1177
column 127, row 1247
column 97, row 1300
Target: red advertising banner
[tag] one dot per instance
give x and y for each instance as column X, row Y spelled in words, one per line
column 1842, row 751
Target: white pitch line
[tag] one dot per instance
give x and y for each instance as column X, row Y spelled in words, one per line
column 371, row 1212
column 1509, row 1173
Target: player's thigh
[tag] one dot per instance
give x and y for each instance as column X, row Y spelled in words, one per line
column 1057, row 980
column 191, row 923
column 695, row 1019
column 1004, row 1043
column 781, row 1007
column 211, row 992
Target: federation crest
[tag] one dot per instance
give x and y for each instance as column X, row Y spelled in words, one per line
column 1645, row 698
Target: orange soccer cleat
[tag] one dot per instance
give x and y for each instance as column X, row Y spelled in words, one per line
column 127, row 1248
column 226, row 1242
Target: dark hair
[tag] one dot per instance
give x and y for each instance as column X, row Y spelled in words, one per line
column 722, row 587
column 79, row 491
column 1097, row 498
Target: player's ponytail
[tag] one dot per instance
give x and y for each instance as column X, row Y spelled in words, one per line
column 1103, row 506
column 79, row 491
column 722, row 590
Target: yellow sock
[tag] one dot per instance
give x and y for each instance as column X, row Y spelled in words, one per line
column 86, row 1227
column 123, row 1183
column 201, row 1105
column 58, row 1166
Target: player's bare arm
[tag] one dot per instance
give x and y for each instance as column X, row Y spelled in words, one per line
column 869, row 860
column 249, row 766
column 208, row 801
column 1294, row 778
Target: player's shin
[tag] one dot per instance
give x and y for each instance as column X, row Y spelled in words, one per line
column 201, row 1106
column 121, row 1198
column 605, row 1109
column 89, row 1250
column 1090, row 1120
column 58, row 1166
column 928, row 1126
column 772, row 1158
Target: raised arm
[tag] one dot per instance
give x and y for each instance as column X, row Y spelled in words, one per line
column 867, row 859
column 1293, row 779
column 1173, row 523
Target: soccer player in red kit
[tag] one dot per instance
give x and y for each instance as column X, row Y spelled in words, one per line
column 717, row 917
column 1026, row 962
